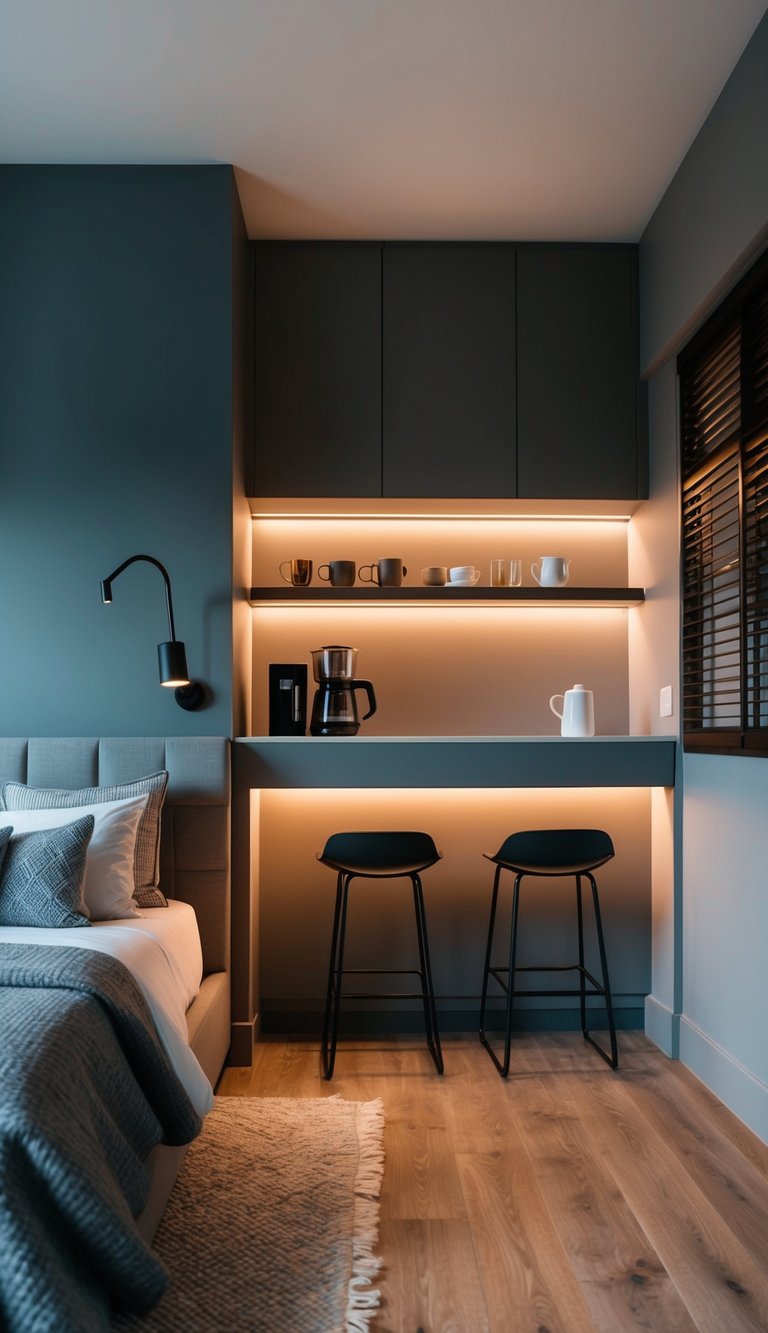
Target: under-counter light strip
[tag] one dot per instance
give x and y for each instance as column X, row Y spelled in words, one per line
column 454, row 518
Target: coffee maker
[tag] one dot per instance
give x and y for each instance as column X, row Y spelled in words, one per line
column 334, row 710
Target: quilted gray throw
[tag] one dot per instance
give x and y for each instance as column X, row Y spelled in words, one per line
column 85, row 1092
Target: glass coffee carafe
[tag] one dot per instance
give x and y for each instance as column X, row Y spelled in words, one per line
column 334, row 709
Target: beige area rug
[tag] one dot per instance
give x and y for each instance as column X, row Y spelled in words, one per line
column 273, row 1221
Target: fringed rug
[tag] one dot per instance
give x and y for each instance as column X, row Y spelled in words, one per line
column 273, row 1221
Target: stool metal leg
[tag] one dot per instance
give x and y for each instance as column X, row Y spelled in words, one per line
column 488, row 951
column 333, row 996
column 582, row 976
column 613, row 1059
column 503, row 1067
column 427, row 989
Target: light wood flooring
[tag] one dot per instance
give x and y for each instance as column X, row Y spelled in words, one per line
column 567, row 1199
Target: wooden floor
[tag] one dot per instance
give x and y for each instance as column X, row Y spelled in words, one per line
column 568, row 1198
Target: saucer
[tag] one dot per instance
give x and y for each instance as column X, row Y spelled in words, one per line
column 461, row 583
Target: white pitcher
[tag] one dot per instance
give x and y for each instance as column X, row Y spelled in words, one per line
column 577, row 717
column 551, row 571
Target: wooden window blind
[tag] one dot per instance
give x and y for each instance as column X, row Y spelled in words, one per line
column 724, row 440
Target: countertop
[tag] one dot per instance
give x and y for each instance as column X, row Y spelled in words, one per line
column 455, row 761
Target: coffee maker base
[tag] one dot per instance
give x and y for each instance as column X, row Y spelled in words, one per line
column 342, row 729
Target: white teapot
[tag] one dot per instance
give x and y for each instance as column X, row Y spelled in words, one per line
column 577, row 717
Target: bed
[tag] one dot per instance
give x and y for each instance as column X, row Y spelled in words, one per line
column 194, row 874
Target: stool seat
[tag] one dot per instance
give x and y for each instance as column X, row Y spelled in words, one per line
column 546, row 853
column 567, row 851
column 378, row 856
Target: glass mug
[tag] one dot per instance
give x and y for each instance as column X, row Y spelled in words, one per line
column 299, row 572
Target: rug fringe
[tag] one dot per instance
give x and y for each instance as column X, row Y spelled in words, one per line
column 363, row 1300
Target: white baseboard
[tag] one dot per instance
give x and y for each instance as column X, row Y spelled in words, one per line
column 662, row 1026
column 733, row 1083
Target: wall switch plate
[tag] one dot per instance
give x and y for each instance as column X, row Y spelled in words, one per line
column 665, row 701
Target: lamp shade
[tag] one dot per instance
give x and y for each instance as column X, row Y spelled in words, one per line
column 172, row 660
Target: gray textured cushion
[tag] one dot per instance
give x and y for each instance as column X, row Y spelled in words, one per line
column 42, row 876
column 5, row 838
column 146, row 865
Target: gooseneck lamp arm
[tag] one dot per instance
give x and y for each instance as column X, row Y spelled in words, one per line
column 172, row 657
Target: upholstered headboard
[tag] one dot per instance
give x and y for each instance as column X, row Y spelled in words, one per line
column 195, row 843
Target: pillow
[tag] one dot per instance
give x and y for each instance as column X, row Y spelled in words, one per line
column 108, row 883
column 42, row 876
column 5, row 838
column 17, row 796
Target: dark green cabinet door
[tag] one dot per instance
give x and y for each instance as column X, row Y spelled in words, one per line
column 449, row 370
column 577, row 373
column 317, row 370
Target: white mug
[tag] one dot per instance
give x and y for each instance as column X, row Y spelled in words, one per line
column 577, row 717
column 551, row 571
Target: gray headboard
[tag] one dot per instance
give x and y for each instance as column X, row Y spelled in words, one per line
column 195, row 843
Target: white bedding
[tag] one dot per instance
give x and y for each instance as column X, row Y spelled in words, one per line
column 162, row 951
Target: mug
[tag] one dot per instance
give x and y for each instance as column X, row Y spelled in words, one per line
column 551, row 571
column 386, row 573
column 341, row 573
column 434, row 576
column 299, row 573
column 464, row 574
column 506, row 573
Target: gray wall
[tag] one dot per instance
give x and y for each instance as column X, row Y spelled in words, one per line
column 116, row 430
column 711, row 930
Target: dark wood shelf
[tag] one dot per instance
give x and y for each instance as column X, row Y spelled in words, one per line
column 585, row 597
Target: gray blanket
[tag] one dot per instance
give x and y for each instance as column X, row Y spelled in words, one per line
column 85, row 1092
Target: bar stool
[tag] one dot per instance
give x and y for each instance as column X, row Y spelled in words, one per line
column 377, row 856
column 550, row 852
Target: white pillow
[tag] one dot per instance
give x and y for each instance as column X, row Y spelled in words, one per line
column 108, row 883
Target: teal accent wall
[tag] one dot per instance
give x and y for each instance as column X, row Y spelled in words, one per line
column 713, row 217
column 117, row 356
column 706, row 231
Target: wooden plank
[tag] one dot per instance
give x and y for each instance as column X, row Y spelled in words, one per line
column 527, row 1278
column 420, row 1179
column 430, row 1281
column 625, row 1285
column 722, row 1285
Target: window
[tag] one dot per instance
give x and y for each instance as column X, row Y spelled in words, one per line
column 724, row 436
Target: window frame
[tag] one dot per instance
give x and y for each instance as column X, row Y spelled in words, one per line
column 723, row 374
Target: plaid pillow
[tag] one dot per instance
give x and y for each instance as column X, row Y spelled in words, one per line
column 146, row 863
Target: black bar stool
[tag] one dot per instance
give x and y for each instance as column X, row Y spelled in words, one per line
column 378, row 856
column 550, row 852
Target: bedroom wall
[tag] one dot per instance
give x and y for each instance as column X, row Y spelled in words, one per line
column 708, row 228
column 117, row 364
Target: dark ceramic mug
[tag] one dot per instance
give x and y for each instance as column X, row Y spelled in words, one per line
column 341, row 573
column 387, row 573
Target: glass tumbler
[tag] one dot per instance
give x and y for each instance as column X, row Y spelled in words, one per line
column 506, row 573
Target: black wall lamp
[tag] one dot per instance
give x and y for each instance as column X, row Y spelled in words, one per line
column 171, row 656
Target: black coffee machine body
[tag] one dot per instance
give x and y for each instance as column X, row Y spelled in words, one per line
column 334, row 709
column 287, row 698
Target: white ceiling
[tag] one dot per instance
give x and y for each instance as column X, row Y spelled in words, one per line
column 538, row 119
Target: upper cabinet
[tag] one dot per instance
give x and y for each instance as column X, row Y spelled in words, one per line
column 317, row 370
column 580, row 428
column 447, row 370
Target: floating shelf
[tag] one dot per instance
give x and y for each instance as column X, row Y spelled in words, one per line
column 477, row 596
